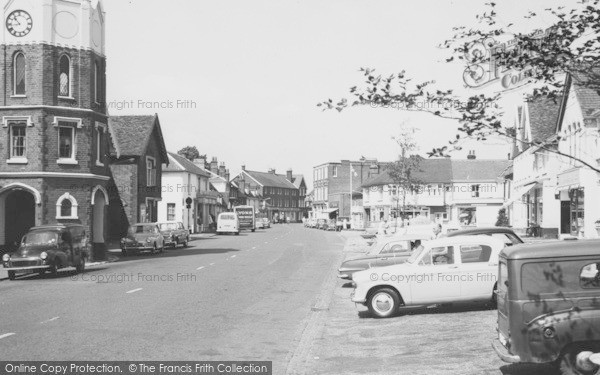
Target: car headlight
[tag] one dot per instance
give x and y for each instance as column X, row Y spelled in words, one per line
column 5, row 258
column 148, row 240
column 43, row 255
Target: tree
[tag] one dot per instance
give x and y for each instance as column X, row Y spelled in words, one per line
column 190, row 153
column 402, row 171
column 502, row 220
column 570, row 48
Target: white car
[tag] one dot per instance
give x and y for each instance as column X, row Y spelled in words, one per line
column 444, row 270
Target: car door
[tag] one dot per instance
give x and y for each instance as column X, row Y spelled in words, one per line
column 436, row 277
column 477, row 272
column 387, row 255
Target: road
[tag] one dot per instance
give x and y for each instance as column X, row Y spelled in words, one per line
column 247, row 297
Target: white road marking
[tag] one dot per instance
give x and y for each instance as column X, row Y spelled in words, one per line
column 266, row 242
column 212, row 264
column 199, row 268
column 50, row 320
column 254, row 248
column 134, row 290
column 6, row 335
column 233, row 256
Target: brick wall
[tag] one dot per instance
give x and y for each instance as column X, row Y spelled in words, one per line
column 123, row 195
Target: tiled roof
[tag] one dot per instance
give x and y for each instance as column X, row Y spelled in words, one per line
column 588, row 98
column 430, row 171
column 543, row 116
column 131, row 135
column 271, row 179
column 449, row 170
column 183, row 164
column 297, row 180
column 478, row 170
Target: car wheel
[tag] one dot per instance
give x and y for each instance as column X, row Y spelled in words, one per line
column 185, row 243
column 253, row 230
column 154, row 249
column 54, row 269
column 124, row 252
column 238, row 233
column 81, row 266
column 576, row 362
column 494, row 300
column 11, row 275
column 383, row 303
column 162, row 248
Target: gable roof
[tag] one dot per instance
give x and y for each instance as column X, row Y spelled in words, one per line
column 271, row 179
column 298, row 178
column 181, row 164
column 543, row 117
column 588, row 97
column 131, row 135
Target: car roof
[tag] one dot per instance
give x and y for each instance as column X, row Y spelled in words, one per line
column 56, row 226
column 169, row 222
column 553, row 249
column 408, row 236
column 481, row 230
column 464, row 240
column 140, row 224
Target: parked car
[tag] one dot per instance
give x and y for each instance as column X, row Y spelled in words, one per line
column 259, row 224
column 142, row 237
column 548, row 306
column 321, row 223
column 228, row 222
column 444, row 270
column 385, row 253
column 49, row 248
column 174, row 233
column 505, row 234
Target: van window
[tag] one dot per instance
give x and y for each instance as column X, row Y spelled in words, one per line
column 590, row 276
column 503, row 278
column 475, row 253
column 550, row 277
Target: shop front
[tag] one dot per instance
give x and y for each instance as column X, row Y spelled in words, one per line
column 579, row 210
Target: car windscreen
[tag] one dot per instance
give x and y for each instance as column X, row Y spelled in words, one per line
column 142, row 229
column 227, row 217
column 168, row 226
column 40, row 238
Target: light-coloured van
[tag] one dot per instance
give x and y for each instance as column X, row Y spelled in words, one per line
column 228, row 222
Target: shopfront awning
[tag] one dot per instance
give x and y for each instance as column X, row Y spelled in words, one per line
column 330, row 210
column 519, row 193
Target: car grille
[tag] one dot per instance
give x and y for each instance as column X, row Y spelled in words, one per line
column 24, row 263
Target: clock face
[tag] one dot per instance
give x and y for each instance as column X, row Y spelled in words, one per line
column 19, row 23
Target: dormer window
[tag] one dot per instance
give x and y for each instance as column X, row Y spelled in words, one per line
column 64, row 77
column 19, row 74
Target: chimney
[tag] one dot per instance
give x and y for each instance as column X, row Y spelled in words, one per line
column 272, row 170
column 242, row 184
column 222, row 169
column 201, row 162
column 289, row 175
column 243, row 167
column 471, row 155
column 227, row 174
column 214, row 166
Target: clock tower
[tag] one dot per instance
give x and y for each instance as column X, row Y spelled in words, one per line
column 53, row 121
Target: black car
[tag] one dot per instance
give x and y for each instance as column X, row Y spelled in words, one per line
column 507, row 235
column 49, row 248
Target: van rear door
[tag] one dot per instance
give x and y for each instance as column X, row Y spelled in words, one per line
column 502, row 302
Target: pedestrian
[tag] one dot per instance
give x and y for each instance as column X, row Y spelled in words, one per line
column 345, row 224
column 437, row 231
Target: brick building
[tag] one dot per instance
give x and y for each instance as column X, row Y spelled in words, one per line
column 332, row 183
column 281, row 196
column 55, row 142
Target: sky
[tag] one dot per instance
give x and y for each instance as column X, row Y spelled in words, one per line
column 240, row 80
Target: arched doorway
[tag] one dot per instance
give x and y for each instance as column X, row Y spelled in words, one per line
column 99, row 202
column 19, row 216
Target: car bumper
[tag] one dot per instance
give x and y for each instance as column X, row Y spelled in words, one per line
column 26, row 269
column 358, row 298
column 137, row 247
column 503, row 353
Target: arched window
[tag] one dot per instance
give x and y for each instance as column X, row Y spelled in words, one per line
column 66, row 207
column 64, row 77
column 19, row 74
